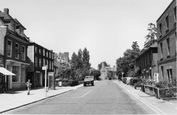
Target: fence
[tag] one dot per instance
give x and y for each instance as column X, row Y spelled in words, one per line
column 163, row 93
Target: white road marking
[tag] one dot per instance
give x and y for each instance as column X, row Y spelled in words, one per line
column 158, row 111
column 86, row 93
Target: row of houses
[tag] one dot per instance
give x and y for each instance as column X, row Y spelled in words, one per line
column 20, row 58
column 158, row 62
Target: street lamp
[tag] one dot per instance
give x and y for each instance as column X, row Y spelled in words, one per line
column 122, row 75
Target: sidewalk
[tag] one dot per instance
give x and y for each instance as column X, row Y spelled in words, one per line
column 9, row 101
column 164, row 107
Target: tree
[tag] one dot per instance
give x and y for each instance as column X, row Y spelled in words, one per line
column 100, row 65
column 127, row 62
column 86, row 58
column 96, row 74
column 151, row 36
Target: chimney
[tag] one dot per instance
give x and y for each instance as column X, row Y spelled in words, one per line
column 6, row 10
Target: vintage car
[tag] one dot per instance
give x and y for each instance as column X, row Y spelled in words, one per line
column 88, row 80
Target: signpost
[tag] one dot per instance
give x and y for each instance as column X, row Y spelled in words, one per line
column 45, row 68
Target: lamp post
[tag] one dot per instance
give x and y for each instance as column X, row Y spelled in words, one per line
column 122, row 75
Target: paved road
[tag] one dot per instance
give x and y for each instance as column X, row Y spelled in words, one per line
column 106, row 97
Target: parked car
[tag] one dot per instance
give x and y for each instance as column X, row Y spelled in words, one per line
column 128, row 80
column 88, row 80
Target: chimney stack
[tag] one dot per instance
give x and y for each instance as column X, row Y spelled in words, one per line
column 6, row 10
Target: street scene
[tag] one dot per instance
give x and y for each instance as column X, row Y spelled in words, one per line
column 88, row 57
column 106, row 97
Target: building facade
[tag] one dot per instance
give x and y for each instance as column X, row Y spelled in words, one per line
column 13, row 46
column 147, row 63
column 167, row 43
column 38, row 57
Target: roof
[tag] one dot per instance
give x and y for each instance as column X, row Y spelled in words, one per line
column 17, row 35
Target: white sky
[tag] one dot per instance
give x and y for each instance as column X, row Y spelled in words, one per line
column 105, row 27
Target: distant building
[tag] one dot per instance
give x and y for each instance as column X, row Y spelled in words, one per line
column 13, row 49
column 167, row 43
column 39, row 56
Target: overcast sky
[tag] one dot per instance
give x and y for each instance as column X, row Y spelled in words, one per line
column 105, row 27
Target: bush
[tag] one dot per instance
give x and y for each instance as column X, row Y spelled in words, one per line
column 72, row 82
column 161, row 84
column 124, row 79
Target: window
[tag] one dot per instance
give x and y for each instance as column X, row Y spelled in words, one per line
column 17, row 51
column 47, row 64
column 39, row 50
column 40, row 62
column 175, row 14
column 169, row 73
column 49, row 54
column 52, row 65
column 43, row 52
column 35, row 49
column 167, row 22
column 23, row 53
column 160, row 27
column 46, row 53
column 9, row 48
column 161, row 49
column 168, row 46
column 36, row 62
column 162, row 72
column 43, row 62
column 15, row 70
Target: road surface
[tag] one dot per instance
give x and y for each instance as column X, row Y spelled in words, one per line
column 105, row 97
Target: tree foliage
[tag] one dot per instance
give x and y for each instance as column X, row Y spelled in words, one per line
column 100, row 65
column 151, row 36
column 126, row 63
column 80, row 64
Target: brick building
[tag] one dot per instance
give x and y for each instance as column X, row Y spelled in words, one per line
column 147, row 62
column 167, row 43
column 13, row 47
column 39, row 56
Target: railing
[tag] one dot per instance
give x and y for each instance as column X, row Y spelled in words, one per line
column 161, row 93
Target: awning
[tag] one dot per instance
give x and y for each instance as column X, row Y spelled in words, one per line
column 4, row 71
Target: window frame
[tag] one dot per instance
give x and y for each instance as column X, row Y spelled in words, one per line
column 9, row 48
column 17, row 55
column 23, row 53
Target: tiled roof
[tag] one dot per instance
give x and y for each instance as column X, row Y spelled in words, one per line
column 17, row 35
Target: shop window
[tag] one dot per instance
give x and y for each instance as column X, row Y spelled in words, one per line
column 9, row 48
column 15, row 70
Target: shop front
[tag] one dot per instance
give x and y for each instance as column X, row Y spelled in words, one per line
column 17, row 81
